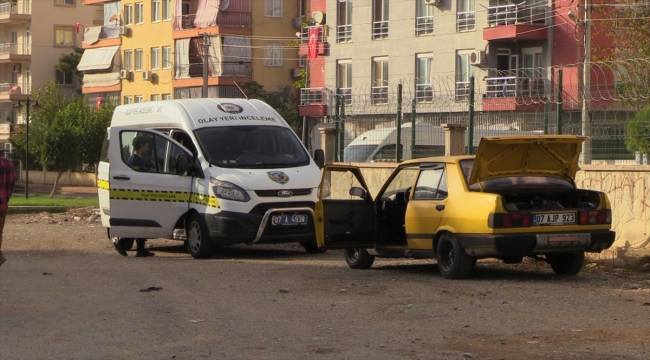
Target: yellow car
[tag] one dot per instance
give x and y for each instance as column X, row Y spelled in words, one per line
column 515, row 198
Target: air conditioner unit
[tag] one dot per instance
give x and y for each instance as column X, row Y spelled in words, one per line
column 124, row 74
column 433, row 2
column 297, row 22
column 146, row 75
column 477, row 57
column 123, row 30
column 295, row 73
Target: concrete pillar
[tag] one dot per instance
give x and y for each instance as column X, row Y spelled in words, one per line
column 327, row 143
column 454, row 139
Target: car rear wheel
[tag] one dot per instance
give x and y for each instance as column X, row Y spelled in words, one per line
column 566, row 263
column 311, row 247
column 359, row 258
column 453, row 261
column 198, row 242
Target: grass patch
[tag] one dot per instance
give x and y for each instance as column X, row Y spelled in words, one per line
column 45, row 200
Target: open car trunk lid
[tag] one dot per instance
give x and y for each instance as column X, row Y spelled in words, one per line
column 527, row 155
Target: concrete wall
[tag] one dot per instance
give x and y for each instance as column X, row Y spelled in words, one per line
column 69, row 178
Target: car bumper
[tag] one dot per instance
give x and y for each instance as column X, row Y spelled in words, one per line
column 534, row 244
column 228, row 228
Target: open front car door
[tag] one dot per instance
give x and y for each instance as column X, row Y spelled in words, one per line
column 345, row 213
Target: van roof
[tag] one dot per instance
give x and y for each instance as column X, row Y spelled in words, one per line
column 196, row 113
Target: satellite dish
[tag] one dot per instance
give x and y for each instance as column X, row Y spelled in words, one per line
column 319, row 17
column 224, row 5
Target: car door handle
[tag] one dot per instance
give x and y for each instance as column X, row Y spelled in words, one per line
column 440, row 207
column 121, row 177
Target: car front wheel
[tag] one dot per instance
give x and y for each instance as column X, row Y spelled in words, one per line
column 198, row 242
column 453, row 261
column 566, row 263
column 359, row 258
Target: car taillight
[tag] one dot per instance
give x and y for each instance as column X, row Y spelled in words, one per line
column 595, row 217
column 501, row 220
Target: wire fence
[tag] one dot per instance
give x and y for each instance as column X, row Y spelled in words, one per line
column 500, row 103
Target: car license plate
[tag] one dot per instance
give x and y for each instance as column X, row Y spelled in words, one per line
column 554, row 219
column 281, row 220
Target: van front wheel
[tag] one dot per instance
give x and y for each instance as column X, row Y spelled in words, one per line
column 198, row 242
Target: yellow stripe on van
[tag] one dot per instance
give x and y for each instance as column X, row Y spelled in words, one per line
column 158, row 195
column 103, row 184
column 205, row 200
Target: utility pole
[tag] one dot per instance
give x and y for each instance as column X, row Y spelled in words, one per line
column 586, row 86
column 206, row 47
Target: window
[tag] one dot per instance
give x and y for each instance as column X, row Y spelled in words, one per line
column 64, row 2
column 155, row 97
column 155, row 58
column 344, row 27
column 273, row 55
column 273, row 8
column 167, row 9
column 465, row 16
column 128, row 100
column 462, row 76
column 344, row 79
column 432, row 184
column 138, row 59
column 423, row 18
column 166, row 96
column 128, row 59
column 155, row 11
column 128, row 14
column 63, row 78
column 166, row 57
column 138, row 99
column 139, row 13
column 424, row 76
column 379, row 91
column 156, row 154
column 64, row 37
column 380, row 19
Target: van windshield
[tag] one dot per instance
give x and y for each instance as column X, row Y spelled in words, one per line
column 358, row 153
column 252, row 147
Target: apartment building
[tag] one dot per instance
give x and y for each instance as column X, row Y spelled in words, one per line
column 34, row 35
column 161, row 49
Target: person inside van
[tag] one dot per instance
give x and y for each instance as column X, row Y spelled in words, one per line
column 140, row 149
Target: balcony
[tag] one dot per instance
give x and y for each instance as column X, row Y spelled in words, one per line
column 514, row 22
column 15, row 12
column 423, row 25
column 313, row 102
column 379, row 30
column 322, row 45
column 343, row 33
column 14, row 92
column 515, row 92
column 192, row 74
column 15, row 52
column 101, row 36
column 224, row 19
column 465, row 21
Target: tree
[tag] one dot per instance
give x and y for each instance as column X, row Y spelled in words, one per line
column 283, row 101
column 638, row 132
column 68, row 64
column 91, row 132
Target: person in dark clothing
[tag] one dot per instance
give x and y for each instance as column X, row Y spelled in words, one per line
column 7, row 183
column 138, row 162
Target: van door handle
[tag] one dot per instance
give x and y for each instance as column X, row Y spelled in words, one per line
column 440, row 207
column 121, row 177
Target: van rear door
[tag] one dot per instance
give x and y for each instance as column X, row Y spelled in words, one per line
column 148, row 194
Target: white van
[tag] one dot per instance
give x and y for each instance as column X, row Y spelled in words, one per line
column 380, row 144
column 218, row 172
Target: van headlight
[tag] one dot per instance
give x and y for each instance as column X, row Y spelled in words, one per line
column 229, row 191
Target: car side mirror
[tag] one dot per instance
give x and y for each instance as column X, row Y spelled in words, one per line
column 319, row 158
column 357, row 191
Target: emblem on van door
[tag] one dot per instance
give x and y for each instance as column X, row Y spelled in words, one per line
column 230, row 108
column 285, row 193
column 279, row 177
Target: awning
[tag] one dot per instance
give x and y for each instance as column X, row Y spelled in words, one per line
column 91, row 34
column 97, row 59
column 105, row 79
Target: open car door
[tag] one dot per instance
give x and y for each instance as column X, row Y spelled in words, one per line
column 150, row 194
column 345, row 213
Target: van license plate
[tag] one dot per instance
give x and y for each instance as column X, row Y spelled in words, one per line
column 554, row 219
column 289, row 220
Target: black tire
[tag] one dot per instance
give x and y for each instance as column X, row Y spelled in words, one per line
column 453, row 261
column 566, row 263
column 311, row 247
column 359, row 258
column 198, row 241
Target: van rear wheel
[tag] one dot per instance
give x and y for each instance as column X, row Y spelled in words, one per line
column 198, row 242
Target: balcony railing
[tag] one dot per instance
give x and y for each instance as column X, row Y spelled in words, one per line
column 343, row 33
column 346, row 95
column 15, row 49
column 465, row 21
column 423, row 25
column 514, row 14
column 304, row 34
column 10, row 8
column 312, row 96
column 15, row 89
column 225, row 19
column 109, row 32
column 379, row 95
column 379, row 30
column 424, row 92
column 512, row 86
column 462, row 90
column 236, row 68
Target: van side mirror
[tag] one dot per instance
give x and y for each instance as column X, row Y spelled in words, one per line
column 319, row 158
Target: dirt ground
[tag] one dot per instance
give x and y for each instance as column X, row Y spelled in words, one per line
column 502, row 312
